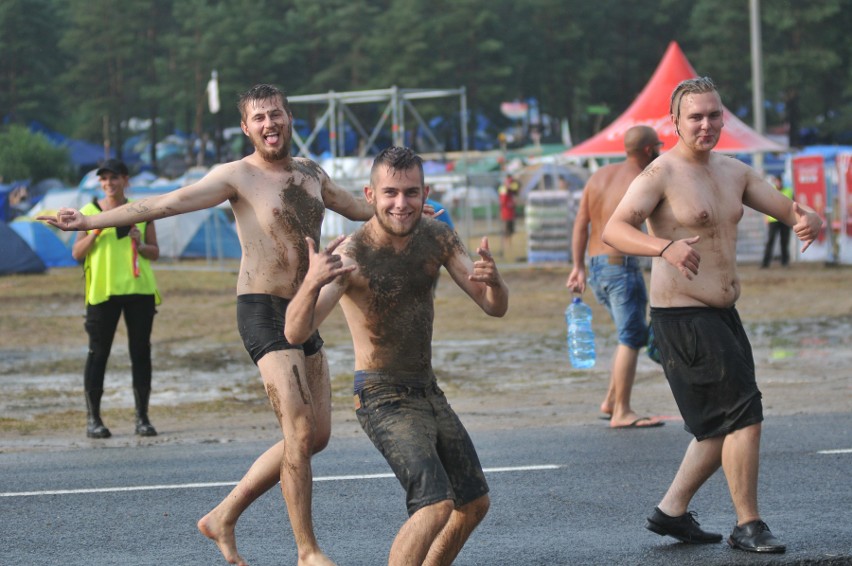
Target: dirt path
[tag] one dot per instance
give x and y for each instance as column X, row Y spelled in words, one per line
column 498, row 373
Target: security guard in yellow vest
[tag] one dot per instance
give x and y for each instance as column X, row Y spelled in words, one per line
column 119, row 279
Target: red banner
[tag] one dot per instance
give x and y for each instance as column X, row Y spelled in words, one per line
column 844, row 168
column 809, row 184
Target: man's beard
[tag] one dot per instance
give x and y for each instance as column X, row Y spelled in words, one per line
column 273, row 156
column 277, row 155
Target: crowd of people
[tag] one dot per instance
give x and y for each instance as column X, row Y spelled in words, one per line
column 383, row 277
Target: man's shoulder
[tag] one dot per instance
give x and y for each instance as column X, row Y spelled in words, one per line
column 233, row 167
column 601, row 180
column 727, row 161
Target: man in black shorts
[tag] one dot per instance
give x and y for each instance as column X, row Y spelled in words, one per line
column 277, row 200
column 382, row 277
column 693, row 200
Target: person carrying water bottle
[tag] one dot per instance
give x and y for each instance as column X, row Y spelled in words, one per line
column 616, row 279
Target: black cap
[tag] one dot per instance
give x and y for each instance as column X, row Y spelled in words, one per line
column 113, row 166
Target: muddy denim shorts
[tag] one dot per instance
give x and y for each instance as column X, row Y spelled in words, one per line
column 621, row 289
column 709, row 365
column 260, row 319
column 422, row 439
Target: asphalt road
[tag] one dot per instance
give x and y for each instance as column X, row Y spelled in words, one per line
column 560, row 496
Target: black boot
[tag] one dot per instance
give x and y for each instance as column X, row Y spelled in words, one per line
column 94, row 425
column 143, row 425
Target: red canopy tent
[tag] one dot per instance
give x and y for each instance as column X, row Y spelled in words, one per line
column 651, row 108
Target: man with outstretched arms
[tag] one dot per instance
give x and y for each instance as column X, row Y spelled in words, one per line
column 693, row 199
column 278, row 200
column 382, row 277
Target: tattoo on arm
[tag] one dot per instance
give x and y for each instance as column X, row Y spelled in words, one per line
column 138, row 206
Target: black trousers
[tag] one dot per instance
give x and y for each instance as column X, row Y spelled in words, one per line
column 783, row 232
column 101, row 323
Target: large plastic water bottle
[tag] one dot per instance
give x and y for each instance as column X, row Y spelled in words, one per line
column 581, row 337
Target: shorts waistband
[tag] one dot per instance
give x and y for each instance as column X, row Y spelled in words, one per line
column 625, row 260
column 674, row 313
column 408, row 379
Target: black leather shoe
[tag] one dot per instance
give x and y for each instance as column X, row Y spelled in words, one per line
column 684, row 528
column 97, row 430
column 755, row 537
column 145, row 428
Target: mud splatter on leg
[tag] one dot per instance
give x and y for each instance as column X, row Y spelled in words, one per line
column 272, row 393
column 305, row 398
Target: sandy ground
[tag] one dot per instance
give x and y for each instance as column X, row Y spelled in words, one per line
column 498, row 373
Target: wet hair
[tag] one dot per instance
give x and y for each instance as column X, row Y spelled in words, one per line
column 698, row 85
column 261, row 92
column 398, row 159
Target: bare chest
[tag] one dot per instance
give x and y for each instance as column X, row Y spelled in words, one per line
column 704, row 202
column 284, row 203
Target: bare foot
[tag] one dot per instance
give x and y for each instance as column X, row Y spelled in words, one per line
column 213, row 527
column 606, row 407
column 316, row 559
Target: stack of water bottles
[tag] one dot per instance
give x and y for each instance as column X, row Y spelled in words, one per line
column 581, row 337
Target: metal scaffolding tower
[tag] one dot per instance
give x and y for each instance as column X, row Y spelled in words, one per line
column 398, row 106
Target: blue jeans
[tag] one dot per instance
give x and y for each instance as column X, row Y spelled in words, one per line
column 618, row 285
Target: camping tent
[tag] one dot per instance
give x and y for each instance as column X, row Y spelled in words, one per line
column 15, row 255
column 549, row 176
column 651, row 108
column 204, row 233
column 44, row 242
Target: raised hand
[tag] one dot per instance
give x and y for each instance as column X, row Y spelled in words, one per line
column 808, row 225
column 325, row 266
column 683, row 256
column 429, row 211
column 485, row 269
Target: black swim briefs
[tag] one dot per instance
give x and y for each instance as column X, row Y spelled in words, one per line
column 709, row 365
column 260, row 319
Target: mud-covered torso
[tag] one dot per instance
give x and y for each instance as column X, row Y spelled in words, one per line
column 393, row 290
column 275, row 211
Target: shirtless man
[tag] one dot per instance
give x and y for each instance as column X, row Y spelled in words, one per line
column 382, row 276
column 616, row 279
column 278, row 200
column 693, row 200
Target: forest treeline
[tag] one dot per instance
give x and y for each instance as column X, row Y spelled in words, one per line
column 86, row 67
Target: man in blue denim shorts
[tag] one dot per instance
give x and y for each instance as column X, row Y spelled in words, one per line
column 616, row 279
column 382, row 277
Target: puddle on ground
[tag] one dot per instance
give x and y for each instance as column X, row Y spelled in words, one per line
column 499, row 364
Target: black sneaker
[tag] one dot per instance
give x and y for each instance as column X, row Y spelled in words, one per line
column 755, row 537
column 684, row 528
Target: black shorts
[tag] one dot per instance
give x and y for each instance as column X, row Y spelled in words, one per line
column 709, row 365
column 260, row 319
column 508, row 227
